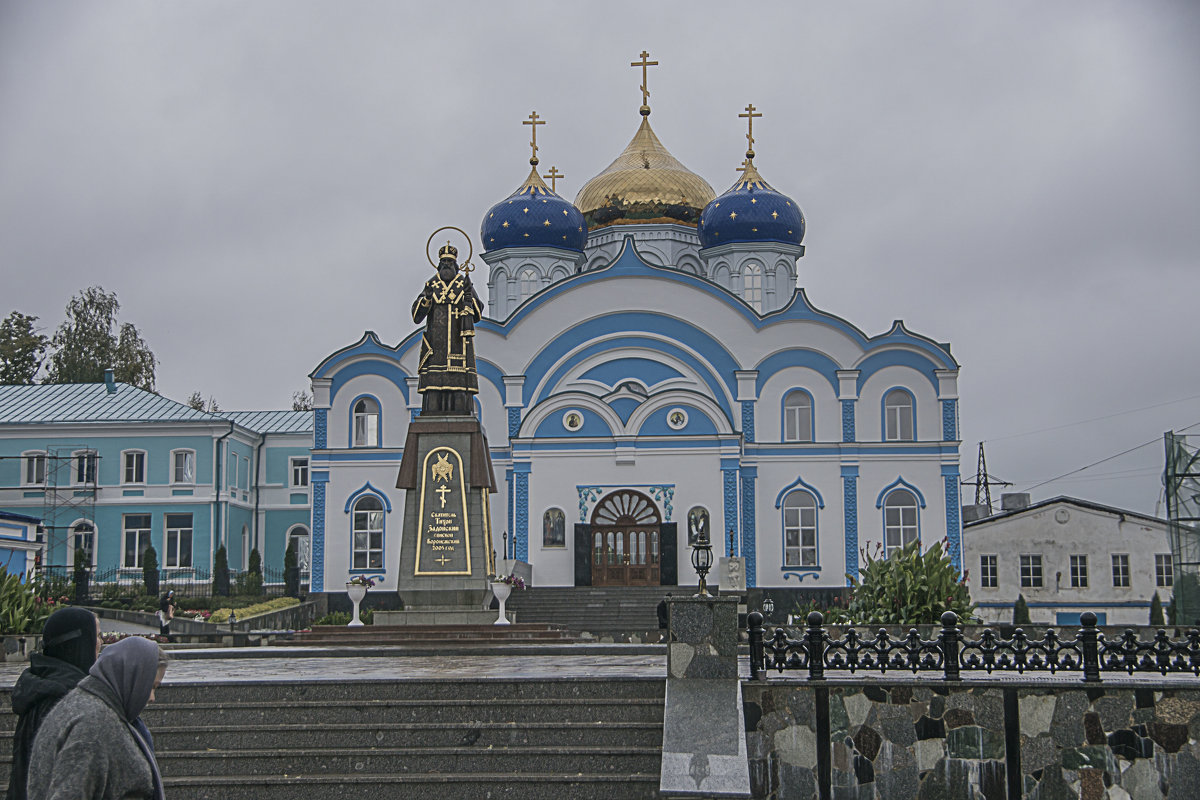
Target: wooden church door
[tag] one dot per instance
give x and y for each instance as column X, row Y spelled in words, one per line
column 626, row 540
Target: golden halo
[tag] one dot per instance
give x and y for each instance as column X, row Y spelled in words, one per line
column 470, row 247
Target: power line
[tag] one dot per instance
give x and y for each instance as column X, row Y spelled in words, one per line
column 1155, row 440
column 1096, row 419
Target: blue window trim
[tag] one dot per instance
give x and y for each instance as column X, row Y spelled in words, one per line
column 883, row 414
column 350, row 424
column 899, row 483
column 368, row 491
column 799, row 483
column 812, row 415
column 798, row 486
column 367, row 488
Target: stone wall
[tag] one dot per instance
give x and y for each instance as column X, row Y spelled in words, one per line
column 900, row 740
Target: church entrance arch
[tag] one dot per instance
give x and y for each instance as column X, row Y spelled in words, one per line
column 626, row 540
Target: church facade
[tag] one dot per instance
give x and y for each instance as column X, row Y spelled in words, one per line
column 650, row 372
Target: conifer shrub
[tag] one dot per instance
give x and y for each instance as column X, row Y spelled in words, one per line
column 221, row 572
column 150, row 570
column 291, row 570
column 1021, row 612
column 1156, row 611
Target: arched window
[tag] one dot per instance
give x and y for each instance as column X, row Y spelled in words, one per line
column 899, row 520
column 554, row 528
column 898, row 416
column 368, row 533
column 752, row 285
column 797, row 416
column 799, row 529
column 366, row 423
column 529, row 283
column 83, row 537
column 298, row 536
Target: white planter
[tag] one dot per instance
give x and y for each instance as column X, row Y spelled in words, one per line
column 502, row 591
column 357, row 592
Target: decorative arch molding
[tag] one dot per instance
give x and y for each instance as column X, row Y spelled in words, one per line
column 556, row 404
column 797, row 357
column 663, row 494
column 899, row 483
column 895, row 355
column 677, row 397
column 799, row 483
column 368, row 489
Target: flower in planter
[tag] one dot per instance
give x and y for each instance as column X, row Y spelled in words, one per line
column 361, row 580
column 514, row 581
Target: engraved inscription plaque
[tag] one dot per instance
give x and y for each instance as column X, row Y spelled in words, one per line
column 443, row 532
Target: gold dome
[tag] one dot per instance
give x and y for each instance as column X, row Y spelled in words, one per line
column 644, row 184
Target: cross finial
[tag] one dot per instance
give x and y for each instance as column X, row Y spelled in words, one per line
column 644, row 63
column 533, row 122
column 553, row 175
column 749, row 117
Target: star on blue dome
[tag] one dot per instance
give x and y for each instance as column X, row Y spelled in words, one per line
column 534, row 216
column 751, row 211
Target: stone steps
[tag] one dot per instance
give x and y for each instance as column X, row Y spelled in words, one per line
column 592, row 609
column 429, row 635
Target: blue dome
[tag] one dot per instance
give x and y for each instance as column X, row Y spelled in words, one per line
column 751, row 211
column 534, row 216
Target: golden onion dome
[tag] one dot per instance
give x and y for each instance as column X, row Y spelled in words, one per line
column 644, row 184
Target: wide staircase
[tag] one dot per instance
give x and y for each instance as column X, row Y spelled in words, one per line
column 600, row 611
column 440, row 637
column 447, row 739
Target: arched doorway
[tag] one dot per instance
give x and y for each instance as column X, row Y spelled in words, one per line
column 626, row 540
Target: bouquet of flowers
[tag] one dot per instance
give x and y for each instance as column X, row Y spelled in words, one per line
column 514, row 581
column 361, row 580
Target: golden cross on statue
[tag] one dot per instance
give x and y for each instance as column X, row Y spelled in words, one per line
column 553, row 175
column 749, row 117
column 644, row 63
column 442, row 490
column 533, row 122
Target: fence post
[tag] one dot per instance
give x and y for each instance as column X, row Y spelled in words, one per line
column 814, row 642
column 950, row 646
column 1090, row 642
column 754, row 621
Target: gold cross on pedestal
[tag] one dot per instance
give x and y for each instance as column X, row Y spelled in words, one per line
column 442, row 490
column 644, row 63
column 553, row 175
column 749, row 117
column 533, row 122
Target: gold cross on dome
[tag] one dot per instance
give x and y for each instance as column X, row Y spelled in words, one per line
column 749, row 116
column 644, row 63
column 553, row 175
column 533, row 122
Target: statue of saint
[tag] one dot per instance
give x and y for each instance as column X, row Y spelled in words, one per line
column 450, row 308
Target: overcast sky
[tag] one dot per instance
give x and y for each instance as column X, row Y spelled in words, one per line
column 256, row 180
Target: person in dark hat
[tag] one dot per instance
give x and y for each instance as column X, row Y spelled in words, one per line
column 70, row 644
column 166, row 613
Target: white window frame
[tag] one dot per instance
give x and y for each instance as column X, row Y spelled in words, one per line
column 752, row 285
column 294, row 464
column 178, row 532
column 530, row 282
column 189, row 458
column 798, row 416
column 1033, row 571
column 244, row 474
column 370, row 430
column 894, row 416
column 126, row 456
column 1164, row 571
column 361, row 523
column 304, row 551
column 29, row 459
column 75, row 533
column 92, row 468
column 147, row 532
column 1120, row 570
column 1079, row 571
column 800, row 525
column 989, row 571
column 897, row 523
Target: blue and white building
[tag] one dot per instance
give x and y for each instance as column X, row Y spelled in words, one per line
column 110, row 469
column 650, row 365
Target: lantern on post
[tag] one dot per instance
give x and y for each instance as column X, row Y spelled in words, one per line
column 702, row 560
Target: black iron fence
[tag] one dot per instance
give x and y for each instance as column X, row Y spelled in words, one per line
column 1089, row 653
column 93, row 585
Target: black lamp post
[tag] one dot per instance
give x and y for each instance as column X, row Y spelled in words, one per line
column 702, row 562
column 768, row 607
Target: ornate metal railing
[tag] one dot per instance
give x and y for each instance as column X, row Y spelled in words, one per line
column 951, row 653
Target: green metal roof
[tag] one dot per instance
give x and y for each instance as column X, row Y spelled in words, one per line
column 272, row 421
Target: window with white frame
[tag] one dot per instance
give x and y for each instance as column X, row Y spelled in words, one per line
column 1031, row 571
column 988, row 576
column 752, row 281
column 368, row 533
column 1120, row 569
column 366, row 423
column 83, row 537
column 797, row 416
column 799, row 529
column 1164, row 570
column 529, row 283
column 134, row 466
column 1079, row 571
column 136, row 534
column 35, row 469
column 86, row 463
column 244, row 475
column 299, row 469
column 178, row 547
column 231, row 478
column 298, row 536
column 899, row 520
column 898, row 416
column 183, row 466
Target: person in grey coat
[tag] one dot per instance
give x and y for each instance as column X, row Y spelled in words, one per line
column 93, row 745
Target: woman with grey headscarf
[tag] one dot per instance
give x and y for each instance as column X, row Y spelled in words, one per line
column 94, row 746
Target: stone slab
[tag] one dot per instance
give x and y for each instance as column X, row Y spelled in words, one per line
column 704, row 740
column 446, row 617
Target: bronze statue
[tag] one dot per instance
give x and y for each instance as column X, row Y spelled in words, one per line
column 450, row 308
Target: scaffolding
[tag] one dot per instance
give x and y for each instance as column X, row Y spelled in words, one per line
column 1181, row 481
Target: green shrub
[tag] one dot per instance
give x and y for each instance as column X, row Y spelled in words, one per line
column 365, row 615
column 291, row 570
column 908, row 588
column 22, row 610
column 246, row 612
column 150, row 570
column 1021, row 612
column 249, row 584
column 255, row 565
column 221, row 572
column 1156, row 611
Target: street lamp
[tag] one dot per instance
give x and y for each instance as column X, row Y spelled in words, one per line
column 768, row 606
column 702, row 562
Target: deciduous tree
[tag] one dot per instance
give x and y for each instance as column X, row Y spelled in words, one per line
column 90, row 340
column 22, row 348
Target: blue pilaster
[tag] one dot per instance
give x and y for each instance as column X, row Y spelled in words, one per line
column 321, row 428
column 749, row 476
column 514, row 422
column 748, row 420
column 731, row 506
column 949, row 420
column 512, row 521
column 521, row 503
column 850, row 516
column 316, row 569
column 847, row 420
column 953, row 521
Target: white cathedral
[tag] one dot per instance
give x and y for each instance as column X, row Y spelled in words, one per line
column 650, row 371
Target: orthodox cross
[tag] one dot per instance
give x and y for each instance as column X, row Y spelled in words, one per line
column 443, row 560
column 442, row 490
column 644, row 63
column 533, row 122
column 554, row 175
column 749, row 117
